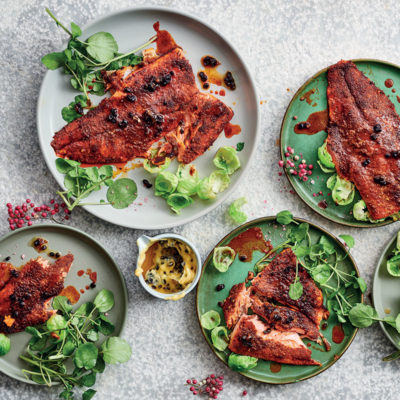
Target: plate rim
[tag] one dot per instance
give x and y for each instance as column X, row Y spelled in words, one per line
column 207, row 260
column 76, row 230
column 355, row 224
column 257, row 133
column 373, row 291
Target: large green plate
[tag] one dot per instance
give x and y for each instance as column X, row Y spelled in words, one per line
column 88, row 253
column 378, row 72
column 208, row 299
column 386, row 293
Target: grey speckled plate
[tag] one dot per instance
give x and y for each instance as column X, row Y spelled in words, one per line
column 131, row 28
column 88, row 253
column 386, row 293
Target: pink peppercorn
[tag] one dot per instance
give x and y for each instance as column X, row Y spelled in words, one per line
column 44, row 215
column 52, row 201
column 52, row 212
column 28, row 200
column 9, row 205
column 309, row 172
column 194, row 381
column 188, row 381
column 310, row 166
column 280, row 163
column 66, row 217
column 191, row 388
column 244, row 393
column 32, row 205
column 287, row 154
column 12, row 227
column 195, row 393
column 30, row 223
column 305, row 179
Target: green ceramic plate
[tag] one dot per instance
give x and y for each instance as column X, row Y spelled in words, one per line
column 208, row 299
column 304, row 103
column 386, row 293
column 88, row 253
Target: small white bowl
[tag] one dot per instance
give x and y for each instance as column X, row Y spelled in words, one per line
column 144, row 243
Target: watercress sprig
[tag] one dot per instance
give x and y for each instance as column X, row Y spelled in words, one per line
column 84, row 60
column 74, row 336
column 80, row 182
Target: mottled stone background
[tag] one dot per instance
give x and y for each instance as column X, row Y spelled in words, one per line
column 284, row 42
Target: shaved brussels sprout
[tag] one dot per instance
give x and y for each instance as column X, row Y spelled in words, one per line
column 219, row 181
column 241, row 363
column 220, row 338
column 188, row 179
column 393, row 266
column 360, row 211
column 223, row 258
column 155, row 169
column 177, row 201
column 227, row 160
column 330, row 183
column 324, row 157
column 210, row 320
column 5, row 344
column 325, row 169
column 343, row 192
column 165, row 184
column 186, row 171
column 236, row 213
column 205, row 190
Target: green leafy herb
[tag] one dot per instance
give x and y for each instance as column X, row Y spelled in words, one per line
column 122, row 193
column 116, row 350
column 210, row 319
column 74, row 336
column 74, row 109
column 349, row 240
column 239, row 146
column 84, row 59
column 284, row 217
column 5, row 344
column 80, row 182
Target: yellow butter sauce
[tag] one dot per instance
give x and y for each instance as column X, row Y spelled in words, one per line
column 168, row 266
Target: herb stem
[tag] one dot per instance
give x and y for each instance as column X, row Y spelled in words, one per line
column 58, row 22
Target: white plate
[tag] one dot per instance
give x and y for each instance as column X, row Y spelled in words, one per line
column 131, row 28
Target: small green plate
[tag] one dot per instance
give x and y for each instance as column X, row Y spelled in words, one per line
column 208, row 299
column 378, row 72
column 88, row 253
column 386, row 293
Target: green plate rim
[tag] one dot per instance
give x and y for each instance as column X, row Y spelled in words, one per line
column 373, row 292
column 76, row 230
column 234, row 231
column 355, row 224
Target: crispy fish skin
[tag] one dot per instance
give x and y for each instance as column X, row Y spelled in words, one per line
column 274, row 280
column 356, row 106
column 26, row 295
column 159, row 100
column 252, row 337
column 236, row 304
column 285, row 319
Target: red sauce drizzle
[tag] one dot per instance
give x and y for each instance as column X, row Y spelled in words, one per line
column 93, row 277
column 87, row 287
column 82, row 291
column 71, row 294
column 248, row 241
column 80, row 272
column 307, row 97
column 316, row 122
column 337, row 334
column 232, row 130
column 275, row 367
column 222, row 92
column 389, row 83
column 165, row 42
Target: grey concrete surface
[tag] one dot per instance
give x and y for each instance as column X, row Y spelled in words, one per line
column 284, row 43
